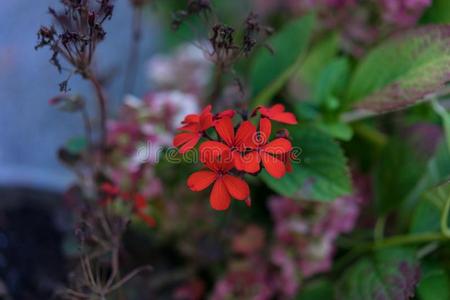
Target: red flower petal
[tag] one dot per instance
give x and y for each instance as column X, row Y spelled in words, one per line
column 238, row 161
column 210, row 150
column 190, row 144
column 276, row 108
column 278, row 146
column 237, row 187
column 273, row 165
column 200, row 180
column 219, row 198
column 244, row 134
column 265, row 129
column 139, row 202
column 252, row 162
column 229, row 113
column 150, row 221
column 286, row 117
column 224, row 128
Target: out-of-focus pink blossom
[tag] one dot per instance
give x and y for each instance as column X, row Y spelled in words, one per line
column 305, row 232
column 403, row 13
column 246, row 279
column 187, row 70
column 249, row 241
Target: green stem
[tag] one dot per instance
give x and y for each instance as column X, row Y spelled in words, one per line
column 401, row 240
column 444, row 219
column 370, row 134
column 378, row 231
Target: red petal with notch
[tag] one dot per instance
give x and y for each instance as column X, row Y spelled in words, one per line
column 200, row 180
column 211, row 150
column 219, row 198
column 273, row 165
column 278, row 146
column 237, row 187
column 224, row 128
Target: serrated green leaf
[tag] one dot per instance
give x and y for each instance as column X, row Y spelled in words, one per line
column 321, row 175
column 390, row 274
column 270, row 72
column 403, row 70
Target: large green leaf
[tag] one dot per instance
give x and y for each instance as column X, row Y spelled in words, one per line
column 397, row 172
column 270, row 72
column 390, row 274
column 437, row 171
column 438, row 12
column 318, row 57
column 322, row 173
column 435, row 283
column 316, row 290
column 403, row 70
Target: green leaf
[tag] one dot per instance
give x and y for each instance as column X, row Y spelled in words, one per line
column 331, row 82
column 270, row 72
column 397, row 172
column 338, row 130
column 316, row 290
column 76, row 145
column 403, row 70
column 390, row 274
column 318, row 57
column 438, row 12
column 426, row 218
column 435, row 283
column 322, row 173
column 437, row 171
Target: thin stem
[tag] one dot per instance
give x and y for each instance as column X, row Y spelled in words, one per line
column 102, row 108
column 217, row 85
column 444, row 219
column 87, row 126
column 407, row 240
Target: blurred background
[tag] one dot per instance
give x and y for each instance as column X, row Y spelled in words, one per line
column 31, row 131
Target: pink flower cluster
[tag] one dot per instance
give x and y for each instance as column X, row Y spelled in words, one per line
column 303, row 245
column 143, row 128
column 403, row 13
column 358, row 21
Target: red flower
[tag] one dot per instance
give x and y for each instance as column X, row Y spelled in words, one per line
column 140, row 206
column 194, row 125
column 237, row 143
column 277, row 113
column 225, row 185
column 267, row 152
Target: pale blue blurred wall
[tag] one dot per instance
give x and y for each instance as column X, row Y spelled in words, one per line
column 30, row 130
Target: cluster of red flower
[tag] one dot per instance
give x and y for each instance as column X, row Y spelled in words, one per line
column 235, row 150
column 139, row 204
